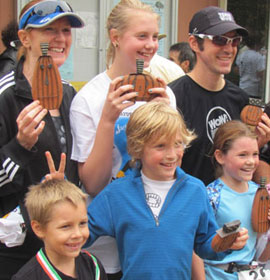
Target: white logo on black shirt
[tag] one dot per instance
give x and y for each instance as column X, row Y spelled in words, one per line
column 214, row 119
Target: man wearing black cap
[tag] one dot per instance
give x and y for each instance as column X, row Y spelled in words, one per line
column 205, row 98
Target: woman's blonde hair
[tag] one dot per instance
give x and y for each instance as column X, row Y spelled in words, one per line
column 224, row 138
column 119, row 19
column 152, row 121
column 41, row 198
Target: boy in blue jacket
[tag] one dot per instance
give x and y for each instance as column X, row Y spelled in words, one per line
column 157, row 213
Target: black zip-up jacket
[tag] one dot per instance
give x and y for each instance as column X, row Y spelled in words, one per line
column 8, row 60
column 20, row 168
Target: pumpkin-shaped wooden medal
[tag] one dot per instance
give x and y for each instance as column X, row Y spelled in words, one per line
column 261, row 205
column 251, row 115
column 46, row 84
column 226, row 236
column 141, row 82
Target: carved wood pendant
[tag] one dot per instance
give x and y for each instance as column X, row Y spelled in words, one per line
column 226, row 236
column 46, row 84
column 251, row 115
column 261, row 205
column 141, row 82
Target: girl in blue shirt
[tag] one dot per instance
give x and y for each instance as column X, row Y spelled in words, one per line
column 236, row 157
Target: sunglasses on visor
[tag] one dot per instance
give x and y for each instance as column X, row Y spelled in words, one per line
column 220, row 40
column 43, row 9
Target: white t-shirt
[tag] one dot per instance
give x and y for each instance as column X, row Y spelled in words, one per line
column 155, row 193
column 85, row 113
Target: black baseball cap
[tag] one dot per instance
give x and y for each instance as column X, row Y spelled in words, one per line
column 214, row 21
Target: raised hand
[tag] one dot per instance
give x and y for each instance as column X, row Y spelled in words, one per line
column 263, row 130
column 161, row 91
column 55, row 174
column 30, row 124
column 116, row 101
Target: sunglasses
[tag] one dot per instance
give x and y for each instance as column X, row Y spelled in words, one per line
column 43, row 9
column 219, row 40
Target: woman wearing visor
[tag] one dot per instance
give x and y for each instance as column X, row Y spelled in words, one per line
column 27, row 130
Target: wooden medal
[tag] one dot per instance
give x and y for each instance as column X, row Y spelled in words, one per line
column 141, row 82
column 251, row 115
column 46, row 84
column 226, row 236
column 260, row 207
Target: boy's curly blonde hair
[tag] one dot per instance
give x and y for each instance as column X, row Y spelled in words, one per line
column 152, row 121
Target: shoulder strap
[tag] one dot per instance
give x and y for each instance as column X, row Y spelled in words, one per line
column 214, row 191
column 95, row 263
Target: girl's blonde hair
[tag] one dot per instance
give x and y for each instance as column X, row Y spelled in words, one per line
column 119, row 19
column 224, row 138
column 153, row 121
column 41, row 198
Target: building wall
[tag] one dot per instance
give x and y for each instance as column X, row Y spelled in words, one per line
column 186, row 9
column 8, row 12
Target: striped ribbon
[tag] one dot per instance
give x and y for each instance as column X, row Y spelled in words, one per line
column 51, row 272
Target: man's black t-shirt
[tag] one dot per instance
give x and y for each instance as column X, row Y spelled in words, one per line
column 204, row 112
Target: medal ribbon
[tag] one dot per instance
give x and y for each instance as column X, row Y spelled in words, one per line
column 50, row 271
column 95, row 263
column 47, row 267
